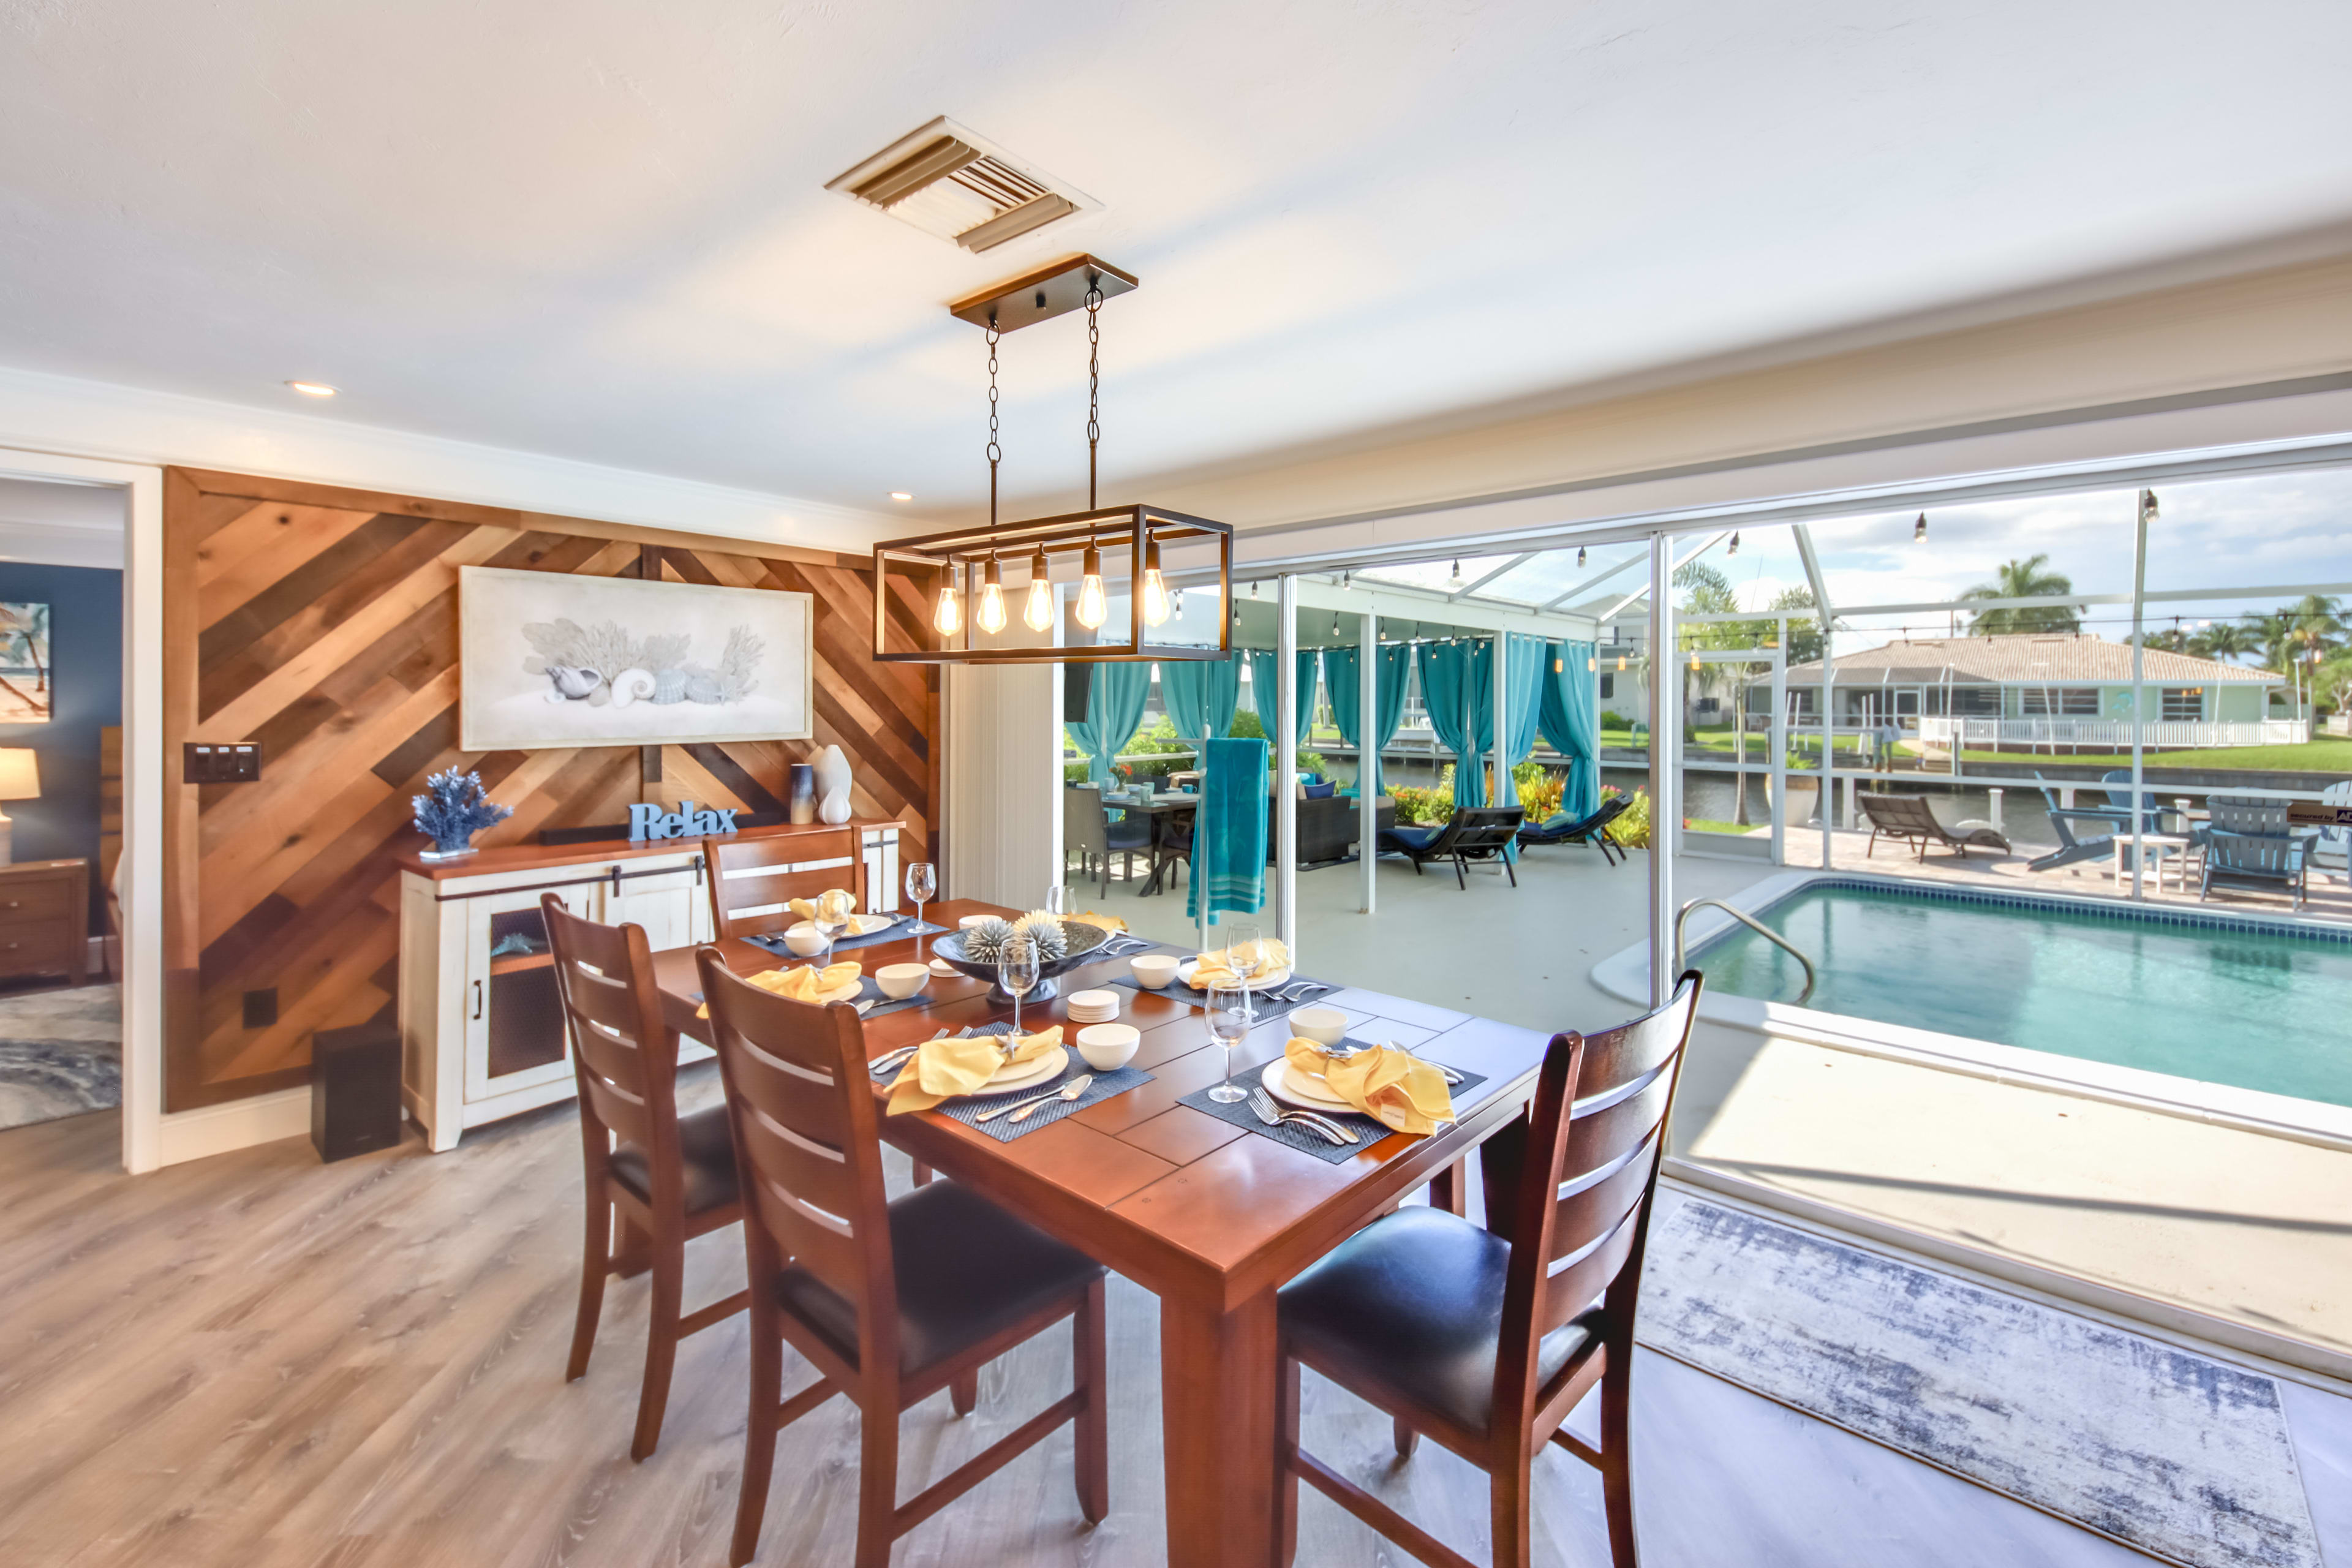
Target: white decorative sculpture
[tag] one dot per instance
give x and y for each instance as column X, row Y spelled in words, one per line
column 832, row 786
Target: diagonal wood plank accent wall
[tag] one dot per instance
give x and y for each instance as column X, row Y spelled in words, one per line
column 323, row 623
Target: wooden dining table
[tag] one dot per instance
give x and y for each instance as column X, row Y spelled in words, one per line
column 1209, row 1216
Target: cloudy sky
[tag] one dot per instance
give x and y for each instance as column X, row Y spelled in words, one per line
column 2274, row 530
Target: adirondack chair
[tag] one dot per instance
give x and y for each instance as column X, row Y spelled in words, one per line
column 2152, row 814
column 2062, row 818
column 2334, row 843
column 2249, row 843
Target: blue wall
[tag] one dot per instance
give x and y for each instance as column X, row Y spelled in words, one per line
column 86, row 665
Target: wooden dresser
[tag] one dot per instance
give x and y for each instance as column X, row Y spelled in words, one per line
column 45, row 919
column 481, row 1033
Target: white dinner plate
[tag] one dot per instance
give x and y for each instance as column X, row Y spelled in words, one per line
column 849, row 993
column 859, row 925
column 1261, row 983
column 1022, row 1075
column 941, row 967
column 1300, row 1089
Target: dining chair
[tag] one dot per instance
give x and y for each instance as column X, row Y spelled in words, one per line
column 1485, row 1340
column 1172, row 844
column 754, row 880
column 1088, row 833
column 889, row 1301
column 666, row 1178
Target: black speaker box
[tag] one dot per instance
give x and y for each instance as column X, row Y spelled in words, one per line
column 1077, row 685
column 355, row 1090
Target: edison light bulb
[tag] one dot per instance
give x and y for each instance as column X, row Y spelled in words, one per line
column 1155, row 587
column 948, row 616
column 991, row 618
column 1092, row 611
column 1038, row 614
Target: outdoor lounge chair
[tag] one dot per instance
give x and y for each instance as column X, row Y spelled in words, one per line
column 1592, row 829
column 2247, row 842
column 1912, row 820
column 1475, row 833
column 2061, row 822
column 2334, row 843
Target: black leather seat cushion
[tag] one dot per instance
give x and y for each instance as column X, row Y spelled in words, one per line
column 704, row 1148
column 966, row 1270
column 1414, row 1303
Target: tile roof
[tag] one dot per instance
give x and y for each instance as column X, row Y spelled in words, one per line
column 2028, row 659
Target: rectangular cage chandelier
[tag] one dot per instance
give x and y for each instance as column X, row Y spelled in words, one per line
column 941, row 598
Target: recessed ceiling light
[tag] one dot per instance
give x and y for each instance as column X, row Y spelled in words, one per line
column 900, row 495
column 312, row 388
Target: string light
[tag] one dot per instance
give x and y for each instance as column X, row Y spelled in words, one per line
column 1919, row 529
column 1455, row 581
column 1579, row 557
column 1734, row 547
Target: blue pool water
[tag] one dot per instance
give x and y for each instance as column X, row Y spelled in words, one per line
column 2267, row 1009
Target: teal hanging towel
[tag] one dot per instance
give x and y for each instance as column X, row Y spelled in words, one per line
column 1229, row 831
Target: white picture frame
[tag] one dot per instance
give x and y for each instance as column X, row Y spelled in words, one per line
column 696, row 664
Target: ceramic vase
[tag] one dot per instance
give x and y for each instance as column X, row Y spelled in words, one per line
column 832, row 786
column 801, row 793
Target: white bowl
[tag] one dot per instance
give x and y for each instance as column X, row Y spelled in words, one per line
column 1107, row 1046
column 1324, row 1025
column 899, row 981
column 1152, row 969
column 805, row 943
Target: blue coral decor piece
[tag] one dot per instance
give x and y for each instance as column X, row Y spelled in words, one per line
column 452, row 810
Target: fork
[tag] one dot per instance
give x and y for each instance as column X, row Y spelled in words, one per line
column 893, row 1059
column 1262, row 1104
column 1300, row 989
column 1343, row 1054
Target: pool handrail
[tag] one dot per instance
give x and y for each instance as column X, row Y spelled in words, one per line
column 1752, row 924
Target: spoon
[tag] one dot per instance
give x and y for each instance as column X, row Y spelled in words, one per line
column 1070, row 1090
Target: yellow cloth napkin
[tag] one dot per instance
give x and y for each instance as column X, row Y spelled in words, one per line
column 806, row 907
column 941, row 1069
column 1106, row 922
column 1387, row 1083
column 805, row 983
column 1216, row 968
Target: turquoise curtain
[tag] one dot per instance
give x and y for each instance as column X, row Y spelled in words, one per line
column 1457, row 687
column 1201, row 695
column 1395, row 665
column 1114, row 712
column 1525, row 667
column 1262, row 661
column 1340, row 666
column 1572, row 722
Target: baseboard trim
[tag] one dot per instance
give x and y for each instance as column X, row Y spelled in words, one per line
column 238, row 1124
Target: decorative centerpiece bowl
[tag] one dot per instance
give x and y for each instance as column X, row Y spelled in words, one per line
column 1084, row 940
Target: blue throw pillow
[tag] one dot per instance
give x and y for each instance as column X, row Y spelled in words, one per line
column 1418, row 838
column 1321, row 791
column 1558, row 819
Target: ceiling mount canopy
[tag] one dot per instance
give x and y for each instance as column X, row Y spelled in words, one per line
column 939, row 570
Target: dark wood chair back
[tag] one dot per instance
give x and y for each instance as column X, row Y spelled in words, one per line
column 626, row 1061
column 754, row 880
column 1480, row 830
column 1594, row 1138
column 808, row 1153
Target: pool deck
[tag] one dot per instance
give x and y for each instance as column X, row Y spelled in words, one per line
column 2187, row 1224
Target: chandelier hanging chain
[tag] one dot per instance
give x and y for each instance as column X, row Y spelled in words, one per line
column 995, row 452
column 1094, row 383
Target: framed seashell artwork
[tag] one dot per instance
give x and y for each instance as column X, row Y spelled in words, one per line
column 548, row 659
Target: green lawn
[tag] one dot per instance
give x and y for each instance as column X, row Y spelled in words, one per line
column 2327, row 754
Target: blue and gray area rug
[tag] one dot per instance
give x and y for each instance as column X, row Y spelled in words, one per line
column 60, row 1054
column 2181, row 1456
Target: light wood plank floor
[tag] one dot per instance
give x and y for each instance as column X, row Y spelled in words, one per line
column 256, row 1360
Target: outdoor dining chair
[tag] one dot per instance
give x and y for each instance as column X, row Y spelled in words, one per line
column 1485, row 1340
column 1088, row 833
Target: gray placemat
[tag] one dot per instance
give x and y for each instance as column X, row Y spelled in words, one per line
column 1263, row 1008
column 1293, row 1135
column 868, row 990
column 1004, row 1129
column 905, row 927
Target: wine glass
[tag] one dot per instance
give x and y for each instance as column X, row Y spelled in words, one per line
column 833, row 910
column 1060, row 902
column 922, row 887
column 1244, row 955
column 1229, row 1024
column 1016, row 971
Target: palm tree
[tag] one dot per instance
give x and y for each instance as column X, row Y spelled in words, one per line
column 2225, row 640
column 2313, row 624
column 2026, row 579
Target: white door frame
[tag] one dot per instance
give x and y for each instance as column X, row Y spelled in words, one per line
column 143, row 770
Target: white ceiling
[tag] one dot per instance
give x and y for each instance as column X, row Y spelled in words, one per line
column 597, row 229
column 60, row 524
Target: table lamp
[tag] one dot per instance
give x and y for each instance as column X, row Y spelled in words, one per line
column 20, row 779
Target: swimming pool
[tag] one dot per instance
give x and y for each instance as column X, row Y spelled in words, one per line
column 2261, row 1005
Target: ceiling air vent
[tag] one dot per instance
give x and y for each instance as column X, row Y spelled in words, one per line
column 946, row 180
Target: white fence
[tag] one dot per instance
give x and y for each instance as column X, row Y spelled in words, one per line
column 1938, row 734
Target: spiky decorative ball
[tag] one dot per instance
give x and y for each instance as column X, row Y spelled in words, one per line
column 983, row 943
column 1046, row 931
